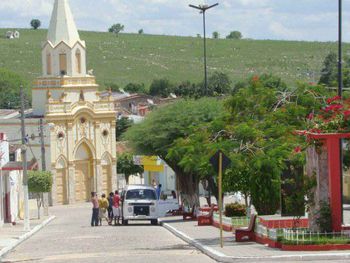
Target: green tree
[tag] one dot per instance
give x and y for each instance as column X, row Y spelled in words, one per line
column 254, row 130
column 140, row 32
column 260, row 123
column 329, row 72
column 113, row 86
column 216, row 35
column 157, row 135
column 234, row 35
column 135, row 88
column 122, row 125
column 161, row 88
column 185, row 89
column 35, row 23
column 126, row 166
column 10, row 83
column 116, row 29
column 219, row 83
column 39, row 182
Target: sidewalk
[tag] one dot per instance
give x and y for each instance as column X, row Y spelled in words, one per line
column 11, row 236
column 206, row 239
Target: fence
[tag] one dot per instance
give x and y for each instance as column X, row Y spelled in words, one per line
column 242, row 221
column 303, row 236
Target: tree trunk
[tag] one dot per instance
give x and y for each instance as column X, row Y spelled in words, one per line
column 317, row 168
column 188, row 186
column 38, row 203
column 187, row 183
column 127, row 176
column 213, row 188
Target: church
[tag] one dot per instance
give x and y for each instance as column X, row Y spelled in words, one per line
column 79, row 123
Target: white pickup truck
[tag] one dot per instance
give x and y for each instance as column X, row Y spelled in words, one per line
column 139, row 202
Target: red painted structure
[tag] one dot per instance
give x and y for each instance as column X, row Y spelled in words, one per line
column 332, row 141
column 283, row 223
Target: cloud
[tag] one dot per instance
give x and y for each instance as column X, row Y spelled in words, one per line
column 260, row 19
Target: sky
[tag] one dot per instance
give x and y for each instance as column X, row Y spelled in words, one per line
column 310, row 20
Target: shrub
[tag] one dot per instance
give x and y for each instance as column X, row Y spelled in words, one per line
column 39, row 182
column 235, row 209
column 324, row 220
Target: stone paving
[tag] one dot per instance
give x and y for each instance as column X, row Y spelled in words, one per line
column 209, row 236
column 70, row 238
column 10, row 234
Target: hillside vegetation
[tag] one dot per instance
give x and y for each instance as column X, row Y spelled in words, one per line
column 142, row 58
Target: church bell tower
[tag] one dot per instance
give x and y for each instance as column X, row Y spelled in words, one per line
column 63, row 58
column 81, row 122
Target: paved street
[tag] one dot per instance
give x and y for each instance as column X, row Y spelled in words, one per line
column 69, row 238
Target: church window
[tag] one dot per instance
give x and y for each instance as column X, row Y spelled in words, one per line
column 63, row 64
column 48, row 64
column 78, row 61
column 60, row 136
column 105, row 133
column 82, row 120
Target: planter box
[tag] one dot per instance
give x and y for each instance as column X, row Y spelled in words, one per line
column 267, row 241
column 226, row 222
column 316, row 247
column 240, row 221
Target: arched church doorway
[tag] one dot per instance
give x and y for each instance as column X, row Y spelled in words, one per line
column 106, row 174
column 61, row 182
column 83, row 173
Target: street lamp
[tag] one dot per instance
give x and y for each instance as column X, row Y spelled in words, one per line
column 203, row 9
column 340, row 73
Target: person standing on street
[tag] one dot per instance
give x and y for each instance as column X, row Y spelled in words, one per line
column 110, row 207
column 103, row 205
column 95, row 209
column 159, row 191
column 116, row 207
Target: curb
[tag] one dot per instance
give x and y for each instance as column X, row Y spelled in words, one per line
column 25, row 236
column 220, row 257
column 216, row 255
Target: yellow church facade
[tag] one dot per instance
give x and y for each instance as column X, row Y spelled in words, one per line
column 82, row 124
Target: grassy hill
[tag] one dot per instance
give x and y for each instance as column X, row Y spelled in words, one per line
column 142, row 58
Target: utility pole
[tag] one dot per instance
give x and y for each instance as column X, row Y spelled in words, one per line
column 43, row 166
column 42, row 141
column 340, row 51
column 24, row 161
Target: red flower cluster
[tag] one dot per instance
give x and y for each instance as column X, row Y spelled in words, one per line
column 333, row 107
column 310, row 116
column 346, row 113
column 336, row 98
column 297, row 149
column 255, row 78
column 334, row 117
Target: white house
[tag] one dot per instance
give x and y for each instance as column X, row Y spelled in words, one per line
column 11, row 178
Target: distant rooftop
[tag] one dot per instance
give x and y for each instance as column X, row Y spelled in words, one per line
column 7, row 114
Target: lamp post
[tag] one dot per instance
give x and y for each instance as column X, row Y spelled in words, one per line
column 340, row 66
column 203, row 9
column 340, row 93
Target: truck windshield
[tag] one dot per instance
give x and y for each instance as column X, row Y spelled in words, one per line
column 141, row 194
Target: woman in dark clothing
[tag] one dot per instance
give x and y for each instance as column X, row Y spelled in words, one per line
column 110, row 207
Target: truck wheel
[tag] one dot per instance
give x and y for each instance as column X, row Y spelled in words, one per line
column 124, row 222
column 154, row 222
